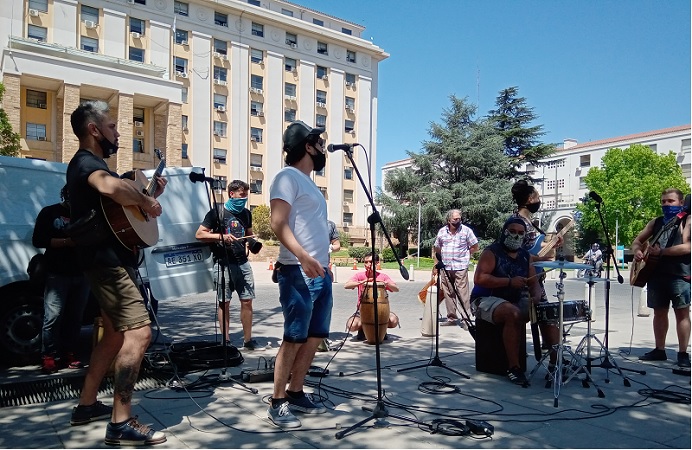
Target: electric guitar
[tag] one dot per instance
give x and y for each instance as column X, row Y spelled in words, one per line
column 642, row 270
column 538, row 251
column 130, row 224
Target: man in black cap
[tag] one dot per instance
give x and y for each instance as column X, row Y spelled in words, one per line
column 299, row 219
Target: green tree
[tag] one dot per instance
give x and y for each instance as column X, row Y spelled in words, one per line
column 9, row 140
column 630, row 181
column 260, row 223
column 511, row 118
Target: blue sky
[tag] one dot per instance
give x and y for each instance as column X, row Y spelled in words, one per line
column 590, row 69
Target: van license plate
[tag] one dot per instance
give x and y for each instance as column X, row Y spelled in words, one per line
column 181, row 258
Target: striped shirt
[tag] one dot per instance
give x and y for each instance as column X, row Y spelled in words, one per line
column 455, row 247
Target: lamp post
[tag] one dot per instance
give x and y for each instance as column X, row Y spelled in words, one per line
column 418, row 241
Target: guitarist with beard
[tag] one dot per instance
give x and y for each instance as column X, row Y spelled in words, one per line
column 670, row 279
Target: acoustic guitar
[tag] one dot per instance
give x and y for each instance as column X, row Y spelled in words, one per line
column 538, row 251
column 131, row 225
column 642, row 270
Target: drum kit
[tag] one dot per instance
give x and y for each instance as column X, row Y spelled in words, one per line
column 561, row 314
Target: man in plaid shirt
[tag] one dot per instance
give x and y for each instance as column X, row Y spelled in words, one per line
column 455, row 243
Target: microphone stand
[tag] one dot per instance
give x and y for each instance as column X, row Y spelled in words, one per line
column 379, row 412
column 608, row 363
column 435, row 361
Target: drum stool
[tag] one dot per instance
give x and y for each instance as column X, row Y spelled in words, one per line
column 490, row 350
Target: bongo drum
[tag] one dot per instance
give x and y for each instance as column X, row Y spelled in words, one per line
column 374, row 332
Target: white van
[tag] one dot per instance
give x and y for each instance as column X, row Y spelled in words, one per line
column 177, row 265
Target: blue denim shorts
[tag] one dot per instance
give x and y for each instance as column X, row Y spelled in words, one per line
column 661, row 292
column 306, row 304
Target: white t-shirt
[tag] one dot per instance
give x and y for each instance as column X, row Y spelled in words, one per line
column 308, row 216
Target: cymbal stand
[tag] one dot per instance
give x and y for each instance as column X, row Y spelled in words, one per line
column 556, row 376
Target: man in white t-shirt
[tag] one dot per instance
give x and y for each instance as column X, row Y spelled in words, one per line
column 299, row 220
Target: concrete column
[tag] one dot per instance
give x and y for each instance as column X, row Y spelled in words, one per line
column 67, row 101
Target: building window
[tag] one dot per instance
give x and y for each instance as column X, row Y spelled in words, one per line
column 286, row 12
column 349, row 125
column 348, row 219
column 290, row 64
column 90, row 45
column 254, row 2
column 39, row 5
column 350, row 56
column 255, row 160
column 137, row 26
column 256, row 56
column 220, row 100
column 350, row 103
column 257, row 82
column 183, row 94
column 257, row 29
column 291, row 39
column 346, row 31
column 219, row 128
column 582, row 182
column 181, row 8
column 290, row 115
column 137, row 145
column 322, row 48
column 36, row 99
column 35, row 131
column 348, row 173
column 348, row 195
column 584, row 160
column 551, row 184
column 38, row 33
column 180, row 65
column 183, row 122
column 256, row 134
column 320, row 120
column 220, row 155
column 138, row 115
column 221, row 19
column 556, row 162
column 321, row 97
column 220, row 182
column 256, row 108
column 350, row 79
column 90, row 14
column 183, row 151
column 220, row 74
column 136, row 54
column 550, row 204
column 290, row 89
column 221, row 47
column 318, row 22
column 653, row 147
column 322, row 72
column 141, row 2
column 255, row 186
column 181, row 37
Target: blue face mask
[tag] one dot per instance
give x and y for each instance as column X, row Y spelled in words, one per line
column 235, row 205
column 670, row 211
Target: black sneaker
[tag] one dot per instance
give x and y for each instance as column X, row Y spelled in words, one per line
column 516, row 376
column 251, row 345
column 132, row 432
column 654, row 355
column 82, row 415
column 683, row 359
column 303, row 403
column 361, row 335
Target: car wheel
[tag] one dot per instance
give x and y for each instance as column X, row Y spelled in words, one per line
column 21, row 320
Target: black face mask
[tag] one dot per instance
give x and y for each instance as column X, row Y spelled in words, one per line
column 108, row 148
column 455, row 223
column 318, row 161
column 533, row 207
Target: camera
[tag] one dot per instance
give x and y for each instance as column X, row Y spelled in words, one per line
column 254, row 246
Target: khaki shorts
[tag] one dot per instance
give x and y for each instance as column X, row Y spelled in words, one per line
column 118, row 297
column 486, row 306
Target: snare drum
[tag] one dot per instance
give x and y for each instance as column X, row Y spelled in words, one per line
column 367, row 313
column 574, row 311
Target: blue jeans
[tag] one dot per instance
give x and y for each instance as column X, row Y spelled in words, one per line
column 64, row 300
column 306, row 304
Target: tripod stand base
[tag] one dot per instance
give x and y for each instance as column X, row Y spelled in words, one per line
column 436, row 362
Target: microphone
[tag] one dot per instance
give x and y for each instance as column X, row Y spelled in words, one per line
column 195, row 177
column 597, row 198
column 331, row 148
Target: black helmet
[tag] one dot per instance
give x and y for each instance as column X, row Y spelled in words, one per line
column 297, row 133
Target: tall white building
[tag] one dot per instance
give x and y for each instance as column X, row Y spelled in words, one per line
column 210, row 83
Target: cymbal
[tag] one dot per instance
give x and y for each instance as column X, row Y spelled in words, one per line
column 562, row 265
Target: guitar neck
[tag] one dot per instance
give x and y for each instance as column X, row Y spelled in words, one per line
column 544, row 251
column 151, row 186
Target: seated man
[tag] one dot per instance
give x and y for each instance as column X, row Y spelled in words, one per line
column 504, row 285
column 359, row 280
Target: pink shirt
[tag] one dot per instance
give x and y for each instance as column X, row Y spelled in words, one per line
column 362, row 276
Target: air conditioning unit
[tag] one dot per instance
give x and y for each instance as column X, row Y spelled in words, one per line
column 42, row 105
column 185, row 129
column 353, row 132
column 40, row 138
column 221, row 109
column 292, row 44
column 135, row 35
column 181, row 74
column 218, row 133
column 140, row 133
column 255, row 169
column 350, row 84
column 291, row 98
column 346, row 203
column 219, row 82
column 217, row 160
column 33, row 12
column 131, row 2
column 256, row 90
column 90, row 24
column 217, row 55
column 253, row 138
column 184, row 42
column 321, row 105
column 139, row 123
column 325, row 77
column 260, row 114
column 223, row 57
column 349, row 108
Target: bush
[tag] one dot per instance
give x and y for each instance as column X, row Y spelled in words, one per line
column 358, row 253
column 388, row 255
column 344, row 239
column 260, row 223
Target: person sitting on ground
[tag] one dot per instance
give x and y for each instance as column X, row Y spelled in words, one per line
column 361, row 280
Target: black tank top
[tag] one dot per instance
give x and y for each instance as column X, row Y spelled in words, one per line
column 677, row 266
